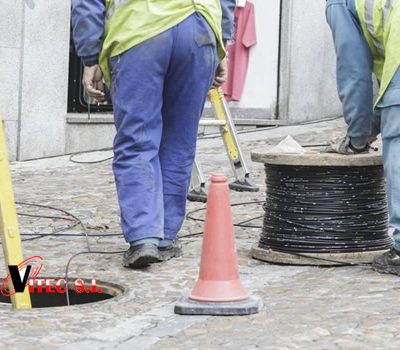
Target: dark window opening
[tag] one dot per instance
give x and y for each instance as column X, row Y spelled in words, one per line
column 78, row 102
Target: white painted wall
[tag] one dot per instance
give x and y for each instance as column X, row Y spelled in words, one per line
column 260, row 89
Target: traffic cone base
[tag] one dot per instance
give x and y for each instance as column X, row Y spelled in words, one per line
column 249, row 306
column 219, row 291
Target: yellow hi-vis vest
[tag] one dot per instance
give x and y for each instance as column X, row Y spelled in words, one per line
column 380, row 21
column 131, row 22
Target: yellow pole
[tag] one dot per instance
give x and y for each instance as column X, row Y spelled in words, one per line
column 11, row 240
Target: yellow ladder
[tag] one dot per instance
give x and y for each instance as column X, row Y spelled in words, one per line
column 224, row 121
column 11, row 239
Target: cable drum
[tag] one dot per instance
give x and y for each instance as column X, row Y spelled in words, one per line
column 325, row 209
column 327, row 212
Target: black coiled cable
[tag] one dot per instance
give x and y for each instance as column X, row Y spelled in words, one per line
column 325, row 209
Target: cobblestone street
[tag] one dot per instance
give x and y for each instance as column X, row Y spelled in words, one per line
column 304, row 307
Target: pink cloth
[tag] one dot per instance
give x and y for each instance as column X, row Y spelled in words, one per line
column 239, row 51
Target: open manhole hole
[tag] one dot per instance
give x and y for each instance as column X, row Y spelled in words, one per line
column 82, row 292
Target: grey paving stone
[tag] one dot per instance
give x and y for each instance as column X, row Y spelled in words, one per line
column 304, row 307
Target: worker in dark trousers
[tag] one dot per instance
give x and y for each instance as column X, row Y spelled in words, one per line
column 159, row 59
column 366, row 35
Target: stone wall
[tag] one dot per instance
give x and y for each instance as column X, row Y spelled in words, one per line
column 307, row 88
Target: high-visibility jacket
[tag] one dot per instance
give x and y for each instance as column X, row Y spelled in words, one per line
column 130, row 22
column 380, row 22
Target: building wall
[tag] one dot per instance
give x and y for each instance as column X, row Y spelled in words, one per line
column 307, row 89
column 10, row 73
column 44, row 85
column 34, row 51
column 34, row 47
column 260, row 90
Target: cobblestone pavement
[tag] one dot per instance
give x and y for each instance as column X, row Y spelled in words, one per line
column 304, row 307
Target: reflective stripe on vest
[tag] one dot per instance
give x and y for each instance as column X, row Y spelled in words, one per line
column 115, row 6
column 369, row 21
column 386, row 9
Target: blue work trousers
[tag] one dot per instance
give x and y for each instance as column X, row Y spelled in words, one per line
column 355, row 87
column 353, row 71
column 158, row 90
column 390, row 127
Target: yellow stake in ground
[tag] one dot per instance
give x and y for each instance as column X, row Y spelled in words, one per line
column 11, row 240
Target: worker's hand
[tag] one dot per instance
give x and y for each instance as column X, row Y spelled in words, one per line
column 221, row 74
column 93, row 82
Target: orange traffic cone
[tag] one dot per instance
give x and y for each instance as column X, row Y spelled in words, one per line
column 218, row 290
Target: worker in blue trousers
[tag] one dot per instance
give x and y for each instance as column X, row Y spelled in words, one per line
column 366, row 35
column 159, row 59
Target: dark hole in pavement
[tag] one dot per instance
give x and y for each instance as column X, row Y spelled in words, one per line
column 104, row 291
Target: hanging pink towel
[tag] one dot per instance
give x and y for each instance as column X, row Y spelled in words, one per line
column 239, row 51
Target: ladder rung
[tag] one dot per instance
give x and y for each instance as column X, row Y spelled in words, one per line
column 212, row 122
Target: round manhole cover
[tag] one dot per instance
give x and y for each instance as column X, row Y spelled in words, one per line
column 80, row 291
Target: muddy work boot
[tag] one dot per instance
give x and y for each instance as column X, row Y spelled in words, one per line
column 172, row 251
column 141, row 256
column 388, row 262
column 343, row 145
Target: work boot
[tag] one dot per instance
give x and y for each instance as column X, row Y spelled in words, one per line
column 141, row 256
column 342, row 145
column 388, row 262
column 172, row 251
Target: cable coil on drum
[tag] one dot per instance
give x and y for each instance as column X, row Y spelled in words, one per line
column 325, row 209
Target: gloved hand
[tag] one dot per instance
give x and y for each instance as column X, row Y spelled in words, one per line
column 342, row 145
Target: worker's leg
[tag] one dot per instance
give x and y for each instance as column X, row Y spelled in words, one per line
column 189, row 78
column 391, row 152
column 390, row 105
column 354, row 69
column 137, row 93
column 390, row 126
